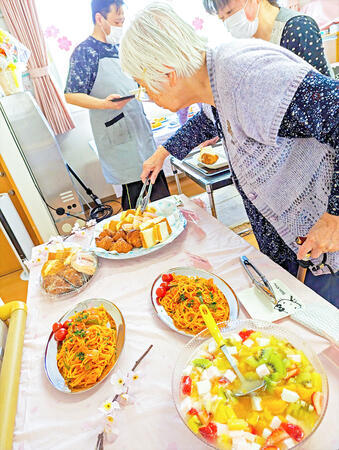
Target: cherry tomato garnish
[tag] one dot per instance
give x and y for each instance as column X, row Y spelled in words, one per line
column 186, row 385
column 60, row 334
column 294, row 431
column 67, row 324
column 209, row 432
column 165, row 286
column 245, row 334
column 167, row 277
column 161, row 292
column 56, row 326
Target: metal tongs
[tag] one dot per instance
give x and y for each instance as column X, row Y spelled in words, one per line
column 262, row 285
column 142, row 201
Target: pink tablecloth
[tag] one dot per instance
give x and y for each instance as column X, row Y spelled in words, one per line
column 48, row 419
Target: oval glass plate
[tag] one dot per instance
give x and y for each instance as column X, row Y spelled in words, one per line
column 51, row 367
column 177, row 223
column 232, row 299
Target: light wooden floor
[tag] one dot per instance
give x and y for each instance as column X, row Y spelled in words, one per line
column 13, row 288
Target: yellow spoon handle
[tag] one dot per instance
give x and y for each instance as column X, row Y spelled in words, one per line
column 211, row 325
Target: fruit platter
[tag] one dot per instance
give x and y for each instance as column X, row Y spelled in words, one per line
column 281, row 415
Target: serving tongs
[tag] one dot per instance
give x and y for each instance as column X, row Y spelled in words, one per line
column 143, row 201
column 259, row 280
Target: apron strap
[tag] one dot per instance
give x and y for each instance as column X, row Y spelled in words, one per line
column 115, row 120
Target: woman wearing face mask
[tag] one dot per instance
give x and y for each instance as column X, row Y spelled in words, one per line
column 301, row 35
column 256, row 90
column 122, row 133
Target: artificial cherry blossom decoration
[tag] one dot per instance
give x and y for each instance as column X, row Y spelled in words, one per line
column 122, row 387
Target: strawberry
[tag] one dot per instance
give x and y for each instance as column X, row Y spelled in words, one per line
column 317, row 401
column 245, row 334
column 193, row 412
column 294, row 431
column 253, row 430
column 276, row 436
column 292, row 373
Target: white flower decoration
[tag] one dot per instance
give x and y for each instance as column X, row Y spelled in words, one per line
column 76, row 227
column 109, row 406
column 91, row 223
column 132, row 377
column 118, row 382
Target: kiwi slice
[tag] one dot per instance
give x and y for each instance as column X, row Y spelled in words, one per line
column 264, row 355
column 305, row 379
column 252, row 361
column 277, row 367
column 269, row 384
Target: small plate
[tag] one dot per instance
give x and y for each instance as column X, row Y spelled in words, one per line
column 158, row 128
column 221, row 162
column 194, row 272
column 51, row 367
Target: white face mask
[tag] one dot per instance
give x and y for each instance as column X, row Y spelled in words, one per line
column 114, row 36
column 239, row 26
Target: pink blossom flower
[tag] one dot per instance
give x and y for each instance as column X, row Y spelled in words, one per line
column 51, row 32
column 64, row 43
column 198, row 23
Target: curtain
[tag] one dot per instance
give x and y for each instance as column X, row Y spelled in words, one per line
column 22, row 20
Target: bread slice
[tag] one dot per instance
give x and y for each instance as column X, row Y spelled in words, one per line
column 113, row 225
column 149, row 237
column 163, row 229
column 147, row 224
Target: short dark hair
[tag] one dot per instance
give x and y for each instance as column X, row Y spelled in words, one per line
column 214, row 6
column 104, row 6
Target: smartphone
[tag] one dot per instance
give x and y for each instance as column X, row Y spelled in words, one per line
column 120, row 99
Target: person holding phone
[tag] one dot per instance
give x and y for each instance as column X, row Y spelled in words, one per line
column 122, row 133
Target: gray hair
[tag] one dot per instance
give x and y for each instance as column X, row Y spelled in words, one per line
column 156, row 42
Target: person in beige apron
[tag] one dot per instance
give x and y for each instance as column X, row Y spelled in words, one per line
column 122, row 133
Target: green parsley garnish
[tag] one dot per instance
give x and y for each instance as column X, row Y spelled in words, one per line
column 182, row 297
column 212, row 306
column 81, row 356
column 199, row 295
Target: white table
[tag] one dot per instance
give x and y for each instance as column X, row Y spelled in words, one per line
column 49, row 420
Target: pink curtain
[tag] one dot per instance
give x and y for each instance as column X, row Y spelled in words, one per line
column 22, row 20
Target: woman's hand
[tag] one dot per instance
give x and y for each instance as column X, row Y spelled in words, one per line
column 323, row 237
column 154, row 164
column 106, row 103
column 209, row 142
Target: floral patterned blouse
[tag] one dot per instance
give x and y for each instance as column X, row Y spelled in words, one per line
column 304, row 118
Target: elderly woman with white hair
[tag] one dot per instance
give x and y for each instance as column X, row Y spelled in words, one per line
column 264, row 96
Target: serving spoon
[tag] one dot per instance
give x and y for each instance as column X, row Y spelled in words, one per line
column 247, row 386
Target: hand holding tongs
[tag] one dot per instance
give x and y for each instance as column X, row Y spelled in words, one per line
column 262, row 285
column 142, row 201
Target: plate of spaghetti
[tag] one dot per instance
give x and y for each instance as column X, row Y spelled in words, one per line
column 84, row 346
column 177, row 294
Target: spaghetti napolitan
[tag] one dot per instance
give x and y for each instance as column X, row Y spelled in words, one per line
column 183, row 297
column 88, row 352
